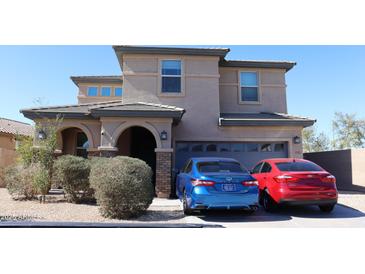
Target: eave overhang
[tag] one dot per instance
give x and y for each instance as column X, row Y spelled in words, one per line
column 96, row 112
column 281, row 120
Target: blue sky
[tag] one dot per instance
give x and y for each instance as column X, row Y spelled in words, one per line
column 326, row 78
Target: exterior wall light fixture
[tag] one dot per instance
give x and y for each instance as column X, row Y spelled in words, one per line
column 42, row 135
column 296, row 140
column 163, row 135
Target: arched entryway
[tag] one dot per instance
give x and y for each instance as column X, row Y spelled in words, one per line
column 138, row 142
column 74, row 142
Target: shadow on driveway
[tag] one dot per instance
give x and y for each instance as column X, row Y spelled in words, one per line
column 160, row 215
column 339, row 212
column 225, row 216
column 282, row 214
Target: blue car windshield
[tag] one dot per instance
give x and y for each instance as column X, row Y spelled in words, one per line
column 220, row 167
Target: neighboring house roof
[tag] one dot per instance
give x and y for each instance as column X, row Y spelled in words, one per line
column 107, row 109
column 287, row 65
column 111, row 79
column 263, row 119
column 15, row 127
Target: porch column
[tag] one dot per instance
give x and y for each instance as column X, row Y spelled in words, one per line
column 163, row 172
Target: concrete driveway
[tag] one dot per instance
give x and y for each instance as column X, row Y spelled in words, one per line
column 342, row 216
column 349, row 212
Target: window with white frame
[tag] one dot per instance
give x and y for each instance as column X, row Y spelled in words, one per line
column 171, row 76
column 106, row 91
column 249, row 87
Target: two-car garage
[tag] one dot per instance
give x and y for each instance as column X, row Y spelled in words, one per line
column 247, row 153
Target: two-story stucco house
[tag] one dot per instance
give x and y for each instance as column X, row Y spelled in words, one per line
column 169, row 104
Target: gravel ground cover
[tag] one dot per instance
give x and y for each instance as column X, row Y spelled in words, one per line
column 56, row 209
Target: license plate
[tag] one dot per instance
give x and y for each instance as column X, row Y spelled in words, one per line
column 229, row 187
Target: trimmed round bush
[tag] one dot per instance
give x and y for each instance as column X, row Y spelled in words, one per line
column 19, row 181
column 72, row 173
column 123, row 186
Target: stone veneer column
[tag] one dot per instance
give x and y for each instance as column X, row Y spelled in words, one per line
column 108, row 151
column 93, row 153
column 163, row 172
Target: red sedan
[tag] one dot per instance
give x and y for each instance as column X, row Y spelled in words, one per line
column 294, row 182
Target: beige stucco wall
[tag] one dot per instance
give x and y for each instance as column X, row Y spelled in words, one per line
column 348, row 166
column 112, row 128
column 7, row 141
column 203, row 100
column 358, row 166
column 272, row 91
column 83, row 98
column 7, row 150
column 92, row 129
column 7, row 153
column 200, row 96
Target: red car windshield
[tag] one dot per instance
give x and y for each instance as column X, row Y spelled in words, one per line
column 298, row 166
column 216, row 167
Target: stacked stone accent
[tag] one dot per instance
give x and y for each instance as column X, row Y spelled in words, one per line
column 163, row 174
column 93, row 153
column 108, row 153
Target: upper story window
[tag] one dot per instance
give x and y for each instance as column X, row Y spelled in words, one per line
column 249, row 87
column 118, row 91
column 171, row 76
column 106, row 91
column 92, row 91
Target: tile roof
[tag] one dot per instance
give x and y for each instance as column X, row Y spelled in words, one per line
column 15, row 127
column 123, row 49
column 105, row 109
column 142, row 106
column 287, row 65
column 111, row 79
column 264, row 119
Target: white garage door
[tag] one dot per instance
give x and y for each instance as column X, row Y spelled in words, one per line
column 248, row 154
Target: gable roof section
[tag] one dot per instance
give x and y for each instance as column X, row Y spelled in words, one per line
column 287, row 65
column 121, row 50
column 220, row 52
column 15, row 127
column 112, row 79
column 264, row 119
column 107, row 109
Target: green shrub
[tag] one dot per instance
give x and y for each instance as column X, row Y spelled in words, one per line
column 41, row 181
column 73, row 175
column 25, row 149
column 123, row 186
column 19, row 181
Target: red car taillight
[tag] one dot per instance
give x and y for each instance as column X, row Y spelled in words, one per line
column 329, row 179
column 285, row 179
column 250, row 183
column 196, row 182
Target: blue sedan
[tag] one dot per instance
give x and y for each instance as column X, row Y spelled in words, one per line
column 216, row 183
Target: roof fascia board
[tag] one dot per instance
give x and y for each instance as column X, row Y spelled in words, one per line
column 253, row 122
